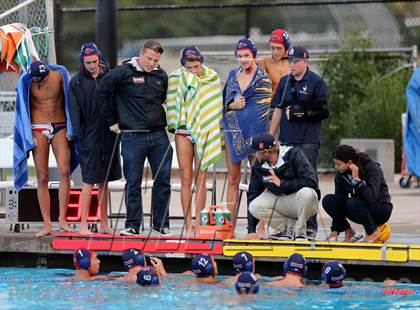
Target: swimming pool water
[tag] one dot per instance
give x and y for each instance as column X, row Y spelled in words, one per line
column 38, row 288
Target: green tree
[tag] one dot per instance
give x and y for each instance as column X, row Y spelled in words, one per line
column 365, row 97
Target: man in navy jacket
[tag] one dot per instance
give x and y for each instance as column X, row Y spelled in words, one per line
column 300, row 105
column 283, row 189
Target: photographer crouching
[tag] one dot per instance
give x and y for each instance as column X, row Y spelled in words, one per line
column 283, row 189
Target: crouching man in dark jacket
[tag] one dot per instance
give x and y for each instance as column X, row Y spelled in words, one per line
column 283, row 189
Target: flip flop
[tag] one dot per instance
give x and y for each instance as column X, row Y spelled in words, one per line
column 356, row 237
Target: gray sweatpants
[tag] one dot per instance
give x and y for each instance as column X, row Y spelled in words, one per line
column 277, row 210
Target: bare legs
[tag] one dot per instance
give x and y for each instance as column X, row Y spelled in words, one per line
column 61, row 151
column 234, row 178
column 103, row 205
column 186, row 153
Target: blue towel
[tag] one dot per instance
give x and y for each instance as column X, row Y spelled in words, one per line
column 241, row 125
column 411, row 140
column 23, row 139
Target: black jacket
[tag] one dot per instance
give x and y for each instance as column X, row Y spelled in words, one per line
column 94, row 139
column 372, row 188
column 138, row 96
column 84, row 110
column 295, row 173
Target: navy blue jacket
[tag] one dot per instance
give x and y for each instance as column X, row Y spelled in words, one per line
column 294, row 173
column 310, row 89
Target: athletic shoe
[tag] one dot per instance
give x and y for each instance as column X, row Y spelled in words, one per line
column 311, row 235
column 301, row 238
column 129, row 232
column 161, row 232
column 283, row 236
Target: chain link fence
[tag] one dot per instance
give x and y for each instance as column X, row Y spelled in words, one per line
column 217, row 27
column 34, row 16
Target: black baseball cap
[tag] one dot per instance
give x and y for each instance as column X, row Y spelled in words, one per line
column 297, row 52
column 262, row 141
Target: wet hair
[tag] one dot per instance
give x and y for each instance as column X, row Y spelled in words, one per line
column 345, row 153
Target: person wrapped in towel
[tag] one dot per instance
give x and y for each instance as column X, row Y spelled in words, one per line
column 247, row 99
column 194, row 110
column 42, row 119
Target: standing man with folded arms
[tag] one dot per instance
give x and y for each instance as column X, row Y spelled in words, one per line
column 139, row 86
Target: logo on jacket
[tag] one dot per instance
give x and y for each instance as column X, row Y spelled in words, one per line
column 304, row 90
column 138, row 79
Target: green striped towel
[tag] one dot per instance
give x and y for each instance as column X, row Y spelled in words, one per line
column 197, row 104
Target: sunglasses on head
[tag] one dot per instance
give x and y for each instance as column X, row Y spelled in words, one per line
column 155, row 47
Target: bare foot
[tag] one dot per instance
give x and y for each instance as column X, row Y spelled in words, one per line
column 46, row 231
column 64, row 225
column 372, row 237
column 333, row 235
column 105, row 229
column 252, row 236
column 262, row 234
column 84, row 232
column 348, row 234
column 190, row 232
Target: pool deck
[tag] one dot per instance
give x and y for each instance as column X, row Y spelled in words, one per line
column 401, row 255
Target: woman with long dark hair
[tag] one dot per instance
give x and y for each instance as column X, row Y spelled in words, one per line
column 361, row 195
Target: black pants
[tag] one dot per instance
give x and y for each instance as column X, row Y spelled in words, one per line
column 357, row 210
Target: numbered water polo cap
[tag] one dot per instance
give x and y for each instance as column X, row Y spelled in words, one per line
column 280, row 36
column 82, row 259
column 247, row 283
column 202, row 265
column 296, row 263
column 39, row 70
column 147, row 276
column 243, row 261
column 333, row 273
column 133, row 257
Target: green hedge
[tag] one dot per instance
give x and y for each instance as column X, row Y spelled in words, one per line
column 366, row 96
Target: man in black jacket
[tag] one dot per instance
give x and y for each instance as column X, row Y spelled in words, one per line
column 283, row 187
column 139, row 87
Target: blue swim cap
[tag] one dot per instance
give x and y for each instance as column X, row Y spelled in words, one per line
column 147, row 276
column 247, row 283
column 38, row 69
column 133, row 257
column 243, row 261
column 333, row 273
column 202, row 265
column 296, row 263
column 191, row 52
column 81, row 259
column 246, row 43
